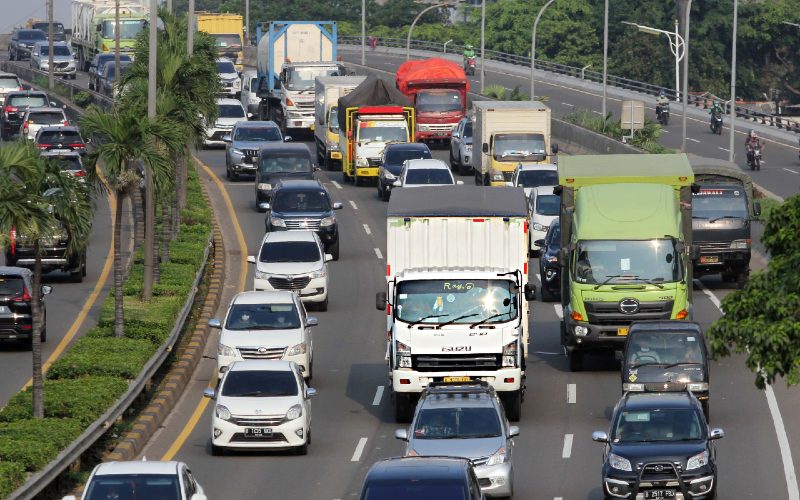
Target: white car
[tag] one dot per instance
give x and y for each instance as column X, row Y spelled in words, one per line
column 266, row 325
column 425, row 172
column 36, row 118
column 229, row 111
column 63, row 59
column 228, row 77
column 294, row 261
column 141, row 479
column 249, row 98
column 531, row 175
column 261, row 404
column 544, row 207
column 8, row 82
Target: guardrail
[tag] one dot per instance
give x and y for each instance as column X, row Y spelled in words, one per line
column 705, row 100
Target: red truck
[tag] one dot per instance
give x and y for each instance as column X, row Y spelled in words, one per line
column 438, row 90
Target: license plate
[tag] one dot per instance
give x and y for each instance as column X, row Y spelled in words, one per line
column 457, row 379
column 709, row 259
column 248, row 159
column 257, row 432
column 657, row 494
column 61, row 150
column 623, row 331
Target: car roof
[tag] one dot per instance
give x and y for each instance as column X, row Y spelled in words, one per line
column 5, row 74
column 676, row 326
column 228, row 100
column 408, row 146
column 426, row 163
column 12, row 270
column 255, row 124
column 271, row 365
column 60, row 128
column 28, row 30
column 418, row 468
column 459, row 400
column 44, row 109
column 271, row 297
column 48, row 43
column 537, row 166
column 278, row 236
column 136, row 467
column 539, row 190
column 284, row 147
column 656, row 400
column 300, row 185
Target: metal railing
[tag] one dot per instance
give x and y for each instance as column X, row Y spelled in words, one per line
column 698, row 100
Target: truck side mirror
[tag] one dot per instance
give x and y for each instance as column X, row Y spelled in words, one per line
column 485, row 147
column 757, row 209
column 554, row 149
column 530, row 292
column 380, row 301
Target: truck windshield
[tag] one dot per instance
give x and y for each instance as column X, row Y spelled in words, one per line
column 629, row 262
column 333, row 119
column 396, row 131
column 438, row 101
column 536, row 178
column 303, row 78
column 710, row 203
column 128, row 28
column 227, row 40
column 519, row 147
column 458, row 301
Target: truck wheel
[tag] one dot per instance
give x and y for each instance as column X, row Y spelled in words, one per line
column 512, row 402
column 547, row 295
column 334, row 250
column 575, row 357
column 741, row 278
column 403, row 411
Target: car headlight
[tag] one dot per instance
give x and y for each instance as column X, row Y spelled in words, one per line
column 224, row 350
column 468, row 148
column 619, row 463
column 697, row 386
column 551, row 259
column 264, row 186
column 499, row 457
column 294, row 412
column 740, row 244
column 237, row 151
column 361, row 162
column 403, row 355
column 261, row 275
column 510, row 354
column 327, row 221
column 223, row 412
column 497, row 176
column 275, row 221
column 296, row 350
column 697, row 461
column 44, row 65
column 388, row 175
column 538, row 227
column 321, row 273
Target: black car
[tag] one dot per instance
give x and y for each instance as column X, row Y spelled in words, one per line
column 14, row 107
column 305, row 206
column 658, row 446
column 22, row 41
column 55, row 254
column 392, row 163
column 60, row 139
column 549, row 267
column 97, row 64
column 277, row 162
column 664, row 355
column 59, row 35
column 16, row 320
column 421, row 478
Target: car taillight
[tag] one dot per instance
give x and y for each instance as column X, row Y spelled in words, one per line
column 76, row 145
column 25, row 297
column 25, row 127
column 66, row 123
column 44, row 146
column 10, row 109
column 79, row 173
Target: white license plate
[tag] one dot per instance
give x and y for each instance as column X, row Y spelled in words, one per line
column 257, row 432
column 61, row 150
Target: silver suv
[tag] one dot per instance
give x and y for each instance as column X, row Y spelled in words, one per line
column 468, row 421
column 63, row 59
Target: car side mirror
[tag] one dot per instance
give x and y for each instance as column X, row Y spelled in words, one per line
column 316, row 168
column 263, row 206
column 328, row 257
column 210, row 393
column 251, row 259
column 380, row 301
column 199, row 496
column 485, row 147
column 716, row 433
column 250, row 115
column 310, row 392
column 53, row 104
column 530, row 292
column 538, row 243
column 397, row 184
column 214, row 323
column 312, row 321
column 757, row 209
column 47, row 289
column 401, row 434
column 554, row 149
column 226, row 138
column 600, row 436
column 459, row 183
column 338, row 205
column 288, row 138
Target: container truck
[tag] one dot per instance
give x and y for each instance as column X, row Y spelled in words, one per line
column 228, row 33
column 93, row 27
column 326, row 108
column 509, row 133
column 457, row 291
column 372, row 116
column 438, row 90
column 291, row 54
column 626, row 232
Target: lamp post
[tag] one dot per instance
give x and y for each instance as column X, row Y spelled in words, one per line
column 444, row 49
column 733, row 80
column 246, row 41
column 483, row 44
column 50, row 63
column 149, row 196
column 408, row 39
column 190, row 33
column 533, row 45
column 685, row 73
column 363, row 32
column 605, row 59
column 676, row 46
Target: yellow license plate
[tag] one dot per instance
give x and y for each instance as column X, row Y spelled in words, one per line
column 457, row 379
column 336, row 155
column 622, row 331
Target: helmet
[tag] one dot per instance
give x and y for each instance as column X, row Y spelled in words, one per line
column 468, row 46
column 661, row 93
column 716, row 102
column 753, row 134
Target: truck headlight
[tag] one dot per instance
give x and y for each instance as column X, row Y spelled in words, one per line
column 498, row 457
column 224, row 350
column 633, row 387
column 297, row 349
column 277, row 222
column 223, row 412
column 327, row 221
column 361, row 162
column 697, row 386
column 697, row 461
column 619, row 463
column 510, row 354
column 403, row 355
column 294, row 412
column 264, row 186
column 740, row 244
column 497, row 176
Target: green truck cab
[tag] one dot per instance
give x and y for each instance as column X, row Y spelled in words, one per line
column 626, row 231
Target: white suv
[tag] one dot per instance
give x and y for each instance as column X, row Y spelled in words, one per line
column 36, row 118
column 229, row 78
column 544, row 207
column 261, row 404
column 293, row 261
column 142, row 479
column 425, row 172
column 266, row 325
column 229, row 111
column 531, row 175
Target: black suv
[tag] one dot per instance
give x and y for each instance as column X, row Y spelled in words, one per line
column 549, row 267
column 22, row 41
column 55, row 256
column 14, row 107
column 277, row 162
column 60, row 139
column 659, row 445
column 16, row 320
column 421, row 478
column 305, row 206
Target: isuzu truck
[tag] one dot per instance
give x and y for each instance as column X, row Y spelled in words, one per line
column 326, row 112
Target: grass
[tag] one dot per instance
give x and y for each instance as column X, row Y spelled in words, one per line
column 645, row 138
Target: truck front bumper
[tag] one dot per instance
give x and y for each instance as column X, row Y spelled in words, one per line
column 715, row 262
column 503, row 380
column 294, row 120
column 582, row 335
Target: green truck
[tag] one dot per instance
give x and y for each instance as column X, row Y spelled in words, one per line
column 626, row 229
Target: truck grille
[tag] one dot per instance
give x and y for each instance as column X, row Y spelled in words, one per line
column 262, row 352
column 289, row 283
column 302, row 224
column 257, row 420
column 440, row 127
column 250, row 152
column 714, row 247
column 455, row 362
column 608, row 313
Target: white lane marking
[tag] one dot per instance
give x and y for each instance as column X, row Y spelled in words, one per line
column 378, row 395
column 359, row 450
column 353, row 204
column 595, row 111
column 777, row 421
column 723, row 149
column 559, row 311
column 567, row 451
column 572, row 394
column 693, row 140
column 338, row 186
column 538, row 277
column 558, row 498
column 367, row 229
column 568, row 104
column 790, row 170
column 378, row 252
column 665, row 131
column 762, row 161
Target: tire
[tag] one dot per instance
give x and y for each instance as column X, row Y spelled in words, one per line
column 575, row 358
column 11, row 55
column 217, row 451
column 758, row 164
column 547, row 295
column 706, row 410
column 334, row 250
column 453, row 165
column 512, row 402
column 227, row 172
column 76, row 276
column 322, row 306
column 403, row 410
column 301, row 450
column 385, row 194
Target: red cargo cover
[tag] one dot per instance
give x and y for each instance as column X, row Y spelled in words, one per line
column 428, row 71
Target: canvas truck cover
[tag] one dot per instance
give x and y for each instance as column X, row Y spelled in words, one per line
column 458, row 201
column 430, row 71
column 372, row 92
column 706, row 169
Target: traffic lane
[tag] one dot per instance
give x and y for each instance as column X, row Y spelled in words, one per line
column 348, row 365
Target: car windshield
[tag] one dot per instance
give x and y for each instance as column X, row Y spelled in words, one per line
column 438, row 101
column 555, row 236
column 396, row 131
column 46, row 118
column 133, row 486
column 225, row 67
column 664, row 424
column 258, row 383
column 710, row 203
column 227, row 40
column 59, row 136
column 32, row 35
column 416, row 489
column 458, row 301
column 27, row 101
column 67, row 162
column 127, row 28
column 518, row 147
column 8, row 82
column 303, row 78
column 58, row 50
column 101, row 63
column 333, row 119
column 230, row 110
column 547, row 204
column 110, row 69
column 290, row 251
column 285, row 164
column 11, row 286
column 300, row 201
column 536, row 178
column 615, row 262
column 257, row 134
column 664, row 348
column 457, row 423
column 428, row 176
column 468, row 130
column 262, row 317
column 399, row 155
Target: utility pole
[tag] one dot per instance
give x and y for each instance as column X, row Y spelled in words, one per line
column 605, row 59
column 169, row 5
column 116, row 42
column 363, row 32
column 246, row 22
column 149, row 202
column 685, row 74
column 50, row 64
column 190, row 34
column 733, row 81
column 483, row 42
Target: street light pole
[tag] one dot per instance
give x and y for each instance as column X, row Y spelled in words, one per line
column 50, row 63
column 605, row 58
column 117, row 35
column 190, row 33
column 246, row 23
column 533, row 45
column 676, row 46
column 363, row 32
column 149, row 208
column 483, row 44
column 685, row 74
column 408, row 39
column 733, row 81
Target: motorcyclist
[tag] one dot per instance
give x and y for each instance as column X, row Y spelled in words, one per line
column 716, row 108
column 751, row 141
column 469, row 52
column 662, row 101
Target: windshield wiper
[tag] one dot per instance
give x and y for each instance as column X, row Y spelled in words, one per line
column 680, row 363
column 427, row 317
column 487, row 319
column 450, row 322
column 715, row 219
column 607, row 280
column 649, row 281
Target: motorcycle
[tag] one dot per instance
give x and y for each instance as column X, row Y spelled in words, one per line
column 754, row 157
column 662, row 113
column 716, row 123
column 469, row 65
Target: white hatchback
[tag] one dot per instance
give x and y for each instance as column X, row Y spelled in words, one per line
column 229, row 111
column 531, row 175
column 425, row 172
column 544, row 207
column 266, row 325
column 261, row 404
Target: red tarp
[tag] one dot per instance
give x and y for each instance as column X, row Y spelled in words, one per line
column 433, row 69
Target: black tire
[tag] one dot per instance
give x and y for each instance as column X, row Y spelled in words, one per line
column 706, row 410
column 403, row 409
column 76, row 276
column 322, row 306
column 217, row 451
column 512, row 402
column 301, row 450
column 575, row 358
column 334, row 250
column 547, row 295
column 29, row 343
column 452, row 160
column 385, row 194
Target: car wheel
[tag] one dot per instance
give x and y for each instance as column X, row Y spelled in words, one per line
column 403, row 410
column 76, row 276
column 334, row 250
column 452, row 160
column 706, row 410
column 302, row 450
column 385, row 195
column 322, row 306
column 217, row 451
column 575, row 357
column 547, row 295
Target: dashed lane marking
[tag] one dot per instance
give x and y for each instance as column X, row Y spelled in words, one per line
column 359, row 450
column 790, row 170
column 378, row 253
column 723, row 149
column 378, row 395
column 693, row 140
column 338, row 186
column 367, row 229
column 353, row 204
column 566, row 452
column 572, row 395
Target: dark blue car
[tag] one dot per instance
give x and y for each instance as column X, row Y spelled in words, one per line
column 393, row 158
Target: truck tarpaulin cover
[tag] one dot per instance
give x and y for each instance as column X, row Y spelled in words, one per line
column 372, row 92
column 433, row 69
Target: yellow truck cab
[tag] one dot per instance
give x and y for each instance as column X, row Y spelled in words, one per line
column 368, row 130
column 228, row 32
column 328, row 90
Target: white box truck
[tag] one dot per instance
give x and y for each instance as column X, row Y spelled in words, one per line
column 457, row 291
column 508, row 133
column 328, row 90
